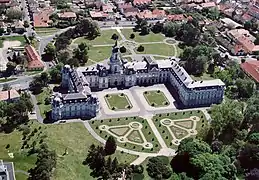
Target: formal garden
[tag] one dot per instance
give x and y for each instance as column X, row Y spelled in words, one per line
column 156, row 98
column 176, row 126
column 118, row 102
column 132, row 133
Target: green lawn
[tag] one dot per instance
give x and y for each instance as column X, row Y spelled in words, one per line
column 156, row 98
column 20, row 176
column 32, row 72
column 147, row 131
column 99, row 53
column 151, row 37
column 118, row 101
column 2, row 80
column 159, row 49
column 12, row 38
column 202, row 125
column 105, row 38
column 203, row 77
column 46, row 93
column 46, row 29
column 72, row 136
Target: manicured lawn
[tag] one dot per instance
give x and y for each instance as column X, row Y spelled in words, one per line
column 99, row 53
column 20, row 176
column 46, row 29
column 105, row 38
column 156, row 98
column 46, row 93
column 203, row 77
column 32, row 72
column 2, row 80
column 202, row 125
column 118, row 101
column 71, row 136
column 12, row 38
column 151, row 37
column 159, row 49
column 147, row 131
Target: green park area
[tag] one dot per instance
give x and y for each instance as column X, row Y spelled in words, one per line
column 43, row 100
column 151, row 37
column 118, row 102
column 159, row 49
column 45, row 31
column 72, row 138
column 132, row 133
column 104, row 38
column 156, row 98
column 183, row 125
column 12, row 38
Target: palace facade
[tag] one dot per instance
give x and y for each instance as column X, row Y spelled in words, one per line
column 117, row 72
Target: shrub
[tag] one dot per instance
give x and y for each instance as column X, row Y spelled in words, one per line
column 122, row 94
column 153, row 104
column 7, row 146
column 107, row 95
column 132, row 36
column 158, row 91
column 113, row 108
column 92, row 122
column 140, row 48
column 115, row 37
column 123, row 49
column 128, row 106
column 145, row 92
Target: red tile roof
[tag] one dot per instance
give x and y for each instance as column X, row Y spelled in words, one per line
column 67, row 15
column 34, row 60
column 41, row 19
column 140, row 2
column 176, row 17
column 251, row 68
column 8, row 95
column 247, row 17
column 4, row 1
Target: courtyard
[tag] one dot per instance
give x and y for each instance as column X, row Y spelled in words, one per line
column 156, row 98
column 118, row 102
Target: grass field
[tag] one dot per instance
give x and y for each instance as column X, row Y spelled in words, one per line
column 203, row 77
column 72, row 136
column 105, row 38
column 202, row 125
column 46, row 93
column 147, row 131
column 12, row 38
column 159, row 49
column 20, row 176
column 2, row 80
column 99, row 53
column 151, row 37
column 118, row 101
column 156, row 98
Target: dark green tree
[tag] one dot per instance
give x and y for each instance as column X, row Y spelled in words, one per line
column 110, row 146
column 157, row 169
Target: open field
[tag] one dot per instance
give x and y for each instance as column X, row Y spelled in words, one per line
column 118, row 101
column 151, row 37
column 99, row 53
column 202, row 124
column 156, row 98
column 72, row 136
column 146, row 130
column 159, row 49
column 105, row 38
column 41, row 101
column 12, row 38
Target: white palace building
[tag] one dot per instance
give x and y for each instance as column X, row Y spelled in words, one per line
column 79, row 102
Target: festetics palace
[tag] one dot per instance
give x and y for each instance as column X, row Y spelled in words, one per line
column 80, row 102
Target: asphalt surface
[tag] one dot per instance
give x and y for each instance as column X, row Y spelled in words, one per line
column 10, row 170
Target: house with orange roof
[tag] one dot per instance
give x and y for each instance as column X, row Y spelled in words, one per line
column 9, row 96
column 67, row 16
column 41, row 18
column 154, row 15
column 251, row 68
column 178, row 17
column 34, row 60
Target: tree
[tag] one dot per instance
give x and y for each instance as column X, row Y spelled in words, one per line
column 246, row 88
column 248, row 156
column 14, row 13
column 251, row 114
column 253, row 174
column 6, row 87
column 110, row 146
column 82, row 46
column 132, row 36
column 50, row 49
column 226, row 117
column 115, row 37
column 144, row 30
column 140, row 48
column 123, row 49
column 256, row 42
column 157, row 169
column 254, row 138
column 55, row 73
column 248, row 25
column 26, row 24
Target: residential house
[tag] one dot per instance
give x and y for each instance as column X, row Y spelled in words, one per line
column 18, row 27
column 253, row 11
column 98, row 15
column 178, row 17
column 34, row 60
column 141, row 2
column 9, row 96
column 67, row 16
column 130, row 12
column 155, row 15
column 41, row 18
column 251, row 68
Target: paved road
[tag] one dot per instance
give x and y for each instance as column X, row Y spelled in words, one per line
column 10, row 169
